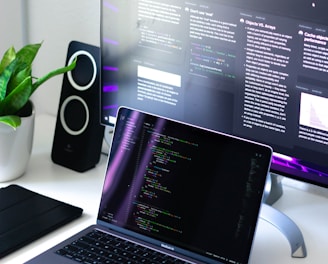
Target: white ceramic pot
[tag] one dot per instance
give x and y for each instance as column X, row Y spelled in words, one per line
column 15, row 148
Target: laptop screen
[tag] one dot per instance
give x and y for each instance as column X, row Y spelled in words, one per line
column 193, row 189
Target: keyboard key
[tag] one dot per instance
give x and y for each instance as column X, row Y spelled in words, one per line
column 99, row 247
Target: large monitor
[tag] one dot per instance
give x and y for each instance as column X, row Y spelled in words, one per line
column 252, row 68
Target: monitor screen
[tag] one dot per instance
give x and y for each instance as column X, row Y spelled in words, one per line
column 252, row 68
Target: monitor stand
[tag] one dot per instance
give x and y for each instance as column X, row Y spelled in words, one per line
column 273, row 191
column 108, row 135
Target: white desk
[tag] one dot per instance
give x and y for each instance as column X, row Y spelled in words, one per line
column 308, row 210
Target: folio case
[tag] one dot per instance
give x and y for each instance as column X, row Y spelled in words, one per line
column 26, row 216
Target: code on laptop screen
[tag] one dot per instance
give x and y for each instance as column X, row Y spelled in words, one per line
column 182, row 184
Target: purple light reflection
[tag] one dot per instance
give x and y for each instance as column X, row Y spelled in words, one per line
column 295, row 164
column 110, row 41
column 111, row 7
column 110, row 88
column 113, row 106
column 110, row 68
column 120, row 156
column 139, row 176
column 125, row 207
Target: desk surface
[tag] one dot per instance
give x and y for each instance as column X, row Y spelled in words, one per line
column 309, row 210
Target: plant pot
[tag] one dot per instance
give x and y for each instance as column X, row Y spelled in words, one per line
column 16, row 145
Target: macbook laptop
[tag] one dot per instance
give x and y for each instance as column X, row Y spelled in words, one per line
column 173, row 193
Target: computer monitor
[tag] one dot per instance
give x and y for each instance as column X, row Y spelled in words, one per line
column 257, row 69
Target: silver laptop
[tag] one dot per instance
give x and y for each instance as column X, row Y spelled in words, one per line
column 173, row 193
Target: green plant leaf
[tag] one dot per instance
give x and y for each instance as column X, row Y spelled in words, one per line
column 19, row 68
column 18, row 78
column 5, row 77
column 7, row 58
column 17, row 98
column 26, row 55
column 52, row 74
column 11, row 120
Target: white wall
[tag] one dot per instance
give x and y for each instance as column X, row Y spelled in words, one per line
column 56, row 23
column 11, row 24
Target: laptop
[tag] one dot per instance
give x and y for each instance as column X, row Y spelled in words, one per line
column 174, row 192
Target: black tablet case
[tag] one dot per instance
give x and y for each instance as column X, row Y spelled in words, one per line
column 26, row 215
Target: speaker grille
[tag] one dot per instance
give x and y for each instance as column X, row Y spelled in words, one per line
column 85, row 72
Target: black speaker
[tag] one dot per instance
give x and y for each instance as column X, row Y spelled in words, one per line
column 78, row 134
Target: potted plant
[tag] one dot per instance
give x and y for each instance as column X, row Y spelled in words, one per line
column 17, row 84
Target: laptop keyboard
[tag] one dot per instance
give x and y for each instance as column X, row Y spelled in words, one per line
column 99, row 247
